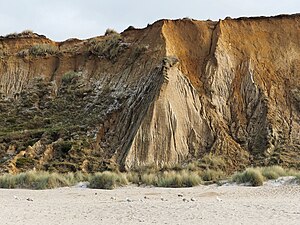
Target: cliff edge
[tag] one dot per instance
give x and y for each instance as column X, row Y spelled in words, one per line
column 170, row 93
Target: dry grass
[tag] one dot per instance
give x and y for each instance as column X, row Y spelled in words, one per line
column 110, row 31
column 273, row 172
column 212, row 175
column 256, row 176
column 133, row 177
column 149, row 179
column 212, row 162
column 107, row 180
column 108, row 48
column 43, row 50
column 251, row 176
column 182, row 178
column 69, row 76
column 166, row 177
column 207, row 170
column 40, row 180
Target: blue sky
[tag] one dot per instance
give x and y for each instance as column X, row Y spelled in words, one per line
column 63, row 19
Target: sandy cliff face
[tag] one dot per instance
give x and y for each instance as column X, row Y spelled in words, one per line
column 166, row 94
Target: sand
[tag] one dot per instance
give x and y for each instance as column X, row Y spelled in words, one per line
column 272, row 203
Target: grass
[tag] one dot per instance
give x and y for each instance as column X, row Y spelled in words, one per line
column 43, row 50
column 69, row 76
column 22, row 34
column 38, row 50
column 110, row 31
column 252, row 176
column 183, row 178
column 40, row 180
column 107, row 180
column 108, row 48
column 167, row 178
column 256, row 176
column 138, row 50
column 212, row 175
column 273, row 172
column 207, row 170
column 163, row 178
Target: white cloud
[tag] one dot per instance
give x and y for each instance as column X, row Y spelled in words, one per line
column 62, row 19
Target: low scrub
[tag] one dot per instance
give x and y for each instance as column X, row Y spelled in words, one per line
column 108, row 48
column 110, row 31
column 256, row 176
column 212, row 175
column 68, row 77
column 166, row 178
column 40, row 180
column 43, row 50
column 178, row 179
column 273, row 172
column 107, row 180
column 212, row 162
column 251, row 176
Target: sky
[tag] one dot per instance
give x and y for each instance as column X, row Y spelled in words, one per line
column 63, row 19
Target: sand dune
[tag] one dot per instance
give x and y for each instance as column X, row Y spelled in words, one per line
column 269, row 204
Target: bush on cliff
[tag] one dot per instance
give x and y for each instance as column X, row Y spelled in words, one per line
column 43, row 50
column 108, row 48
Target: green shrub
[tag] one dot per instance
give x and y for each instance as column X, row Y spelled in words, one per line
column 212, row 162
column 26, row 33
column 24, row 162
column 35, row 180
column 107, row 180
column 171, row 178
column 109, row 48
column 52, row 180
column 252, row 176
column 110, row 31
column 7, row 181
column 62, row 167
column 133, row 177
column 212, row 175
column 43, row 50
column 69, row 77
column 273, row 172
column 152, row 168
column 179, row 179
column 41, row 180
column 170, row 167
column 138, row 50
column 149, row 179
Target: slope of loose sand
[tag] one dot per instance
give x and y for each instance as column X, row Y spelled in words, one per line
column 269, row 204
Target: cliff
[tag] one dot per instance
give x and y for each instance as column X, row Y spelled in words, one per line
column 170, row 93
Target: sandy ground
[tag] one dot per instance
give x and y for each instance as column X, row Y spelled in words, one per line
column 269, row 204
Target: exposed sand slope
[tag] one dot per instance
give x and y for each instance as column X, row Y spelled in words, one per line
column 170, row 93
column 269, row 204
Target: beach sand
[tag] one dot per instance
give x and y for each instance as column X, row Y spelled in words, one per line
column 212, row 204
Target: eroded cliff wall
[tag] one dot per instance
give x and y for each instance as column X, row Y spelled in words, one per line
column 170, row 93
